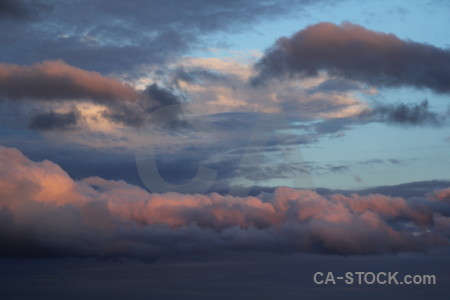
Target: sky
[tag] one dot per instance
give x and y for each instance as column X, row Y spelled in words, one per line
column 221, row 138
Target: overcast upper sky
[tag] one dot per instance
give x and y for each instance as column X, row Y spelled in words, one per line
column 180, row 128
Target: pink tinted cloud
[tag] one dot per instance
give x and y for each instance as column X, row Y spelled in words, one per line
column 353, row 52
column 56, row 80
column 44, row 210
column 441, row 195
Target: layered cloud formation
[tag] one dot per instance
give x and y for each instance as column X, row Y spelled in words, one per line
column 43, row 212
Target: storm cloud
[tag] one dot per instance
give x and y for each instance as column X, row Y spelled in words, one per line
column 354, row 52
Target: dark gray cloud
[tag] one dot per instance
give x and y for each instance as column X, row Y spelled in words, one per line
column 406, row 114
column 154, row 97
column 162, row 96
column 54, row 121
column 319, row 169
column 354, row 52
column 116, row 36
column 398, row 114
column 338, row 169
column 127, row 114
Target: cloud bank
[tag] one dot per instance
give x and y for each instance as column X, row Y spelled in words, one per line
column 45, row 213
column 354, row 52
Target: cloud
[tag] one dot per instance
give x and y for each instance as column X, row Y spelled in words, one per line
column 328, row 98
column 353, row 52
column 56, row 81
column 153, row 97
column 418, row 114
column 398, row 114
column 54, row 120
column 221, row 85
column 412, row 114
column 117, row 36
column 45, row 213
